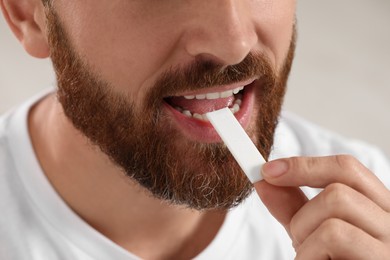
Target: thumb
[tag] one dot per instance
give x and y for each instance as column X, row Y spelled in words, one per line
column 282, row 202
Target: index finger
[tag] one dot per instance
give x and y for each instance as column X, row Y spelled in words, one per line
column 319, row 172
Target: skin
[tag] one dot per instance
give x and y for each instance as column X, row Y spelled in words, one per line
column 169, row 33
column 349, row 219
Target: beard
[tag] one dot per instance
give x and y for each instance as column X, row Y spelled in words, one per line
column 144, row 142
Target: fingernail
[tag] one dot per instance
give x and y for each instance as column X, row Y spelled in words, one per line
column 275, row 168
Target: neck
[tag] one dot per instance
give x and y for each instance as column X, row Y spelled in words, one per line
column 116, row 206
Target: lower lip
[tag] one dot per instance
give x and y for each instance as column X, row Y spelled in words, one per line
column 202, row 131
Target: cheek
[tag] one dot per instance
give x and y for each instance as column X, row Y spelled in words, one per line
column 122, row 47
column 275, row 26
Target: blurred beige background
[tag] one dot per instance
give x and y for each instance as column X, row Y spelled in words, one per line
column 340, row 79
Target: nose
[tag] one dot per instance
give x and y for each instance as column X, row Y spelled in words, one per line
column 222, row 31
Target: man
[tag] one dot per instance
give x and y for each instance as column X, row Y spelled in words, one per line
column 118, row 161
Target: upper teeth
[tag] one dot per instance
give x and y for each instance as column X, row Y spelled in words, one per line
column 235, row 107
column 215, row 95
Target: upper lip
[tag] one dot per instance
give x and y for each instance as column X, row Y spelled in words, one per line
column 218, row 88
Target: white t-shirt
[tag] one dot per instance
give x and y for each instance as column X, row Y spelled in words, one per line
column 36, row 224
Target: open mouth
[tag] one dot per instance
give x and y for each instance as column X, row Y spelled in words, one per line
column 188, row 109
column 197, row 104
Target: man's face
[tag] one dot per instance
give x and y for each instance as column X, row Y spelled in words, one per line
column 128, row 70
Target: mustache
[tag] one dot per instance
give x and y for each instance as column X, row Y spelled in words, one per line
column 203, row 74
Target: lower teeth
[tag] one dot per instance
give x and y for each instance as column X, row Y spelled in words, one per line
column 235, row 108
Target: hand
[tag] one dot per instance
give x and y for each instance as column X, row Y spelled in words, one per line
column 349, row 219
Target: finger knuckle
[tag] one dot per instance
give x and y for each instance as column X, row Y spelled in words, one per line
column 351, row 166
column 333, row 231
column 347, row 162
column 335, row 196
column 295, row 162
column 304, row 164
column 312, row 162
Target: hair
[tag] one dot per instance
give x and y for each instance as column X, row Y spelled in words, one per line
column 46, row 2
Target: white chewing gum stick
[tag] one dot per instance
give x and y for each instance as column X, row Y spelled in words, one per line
column 238, row 142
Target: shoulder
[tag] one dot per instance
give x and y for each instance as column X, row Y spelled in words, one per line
column 4, row 142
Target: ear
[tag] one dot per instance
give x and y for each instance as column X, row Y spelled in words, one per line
column 27, row 20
